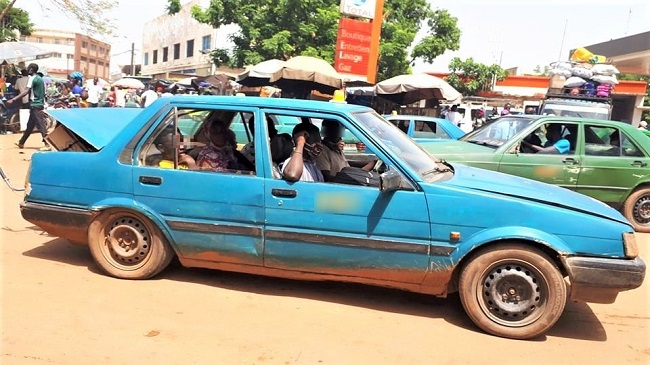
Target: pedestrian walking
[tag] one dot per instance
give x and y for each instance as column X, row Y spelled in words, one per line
column 36, row 87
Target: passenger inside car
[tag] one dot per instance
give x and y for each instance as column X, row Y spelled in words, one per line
column 300, row 166
column 164, row 143
column 556, row 143
column 219, row 154
column 331, row 161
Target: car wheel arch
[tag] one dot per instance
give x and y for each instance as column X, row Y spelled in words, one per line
column 551, row 251
column 105, row 206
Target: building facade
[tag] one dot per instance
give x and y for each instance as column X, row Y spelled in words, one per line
column 71, row 52
column 178, row 45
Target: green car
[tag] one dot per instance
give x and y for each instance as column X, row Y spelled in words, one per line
column 612, row 170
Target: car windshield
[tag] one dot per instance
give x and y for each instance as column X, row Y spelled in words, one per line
column 498, row 132
column 387, row 133
column 579, row 111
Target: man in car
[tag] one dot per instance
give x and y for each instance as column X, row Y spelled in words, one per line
column 555, row 144
column 300, row 166
column 332, row 160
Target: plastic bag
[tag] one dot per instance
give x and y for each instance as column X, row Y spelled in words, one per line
column 581, row 54
column 562, row 65
column 607, row 80
column 582, row 72
column 574, row 82
column 560, row 72
column 605, row 70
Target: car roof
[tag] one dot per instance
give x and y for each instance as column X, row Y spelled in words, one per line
column 296, row 104
column 416, row 117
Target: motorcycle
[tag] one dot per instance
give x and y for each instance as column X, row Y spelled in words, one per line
column 9, row 118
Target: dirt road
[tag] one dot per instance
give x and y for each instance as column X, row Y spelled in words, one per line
column 58, row 309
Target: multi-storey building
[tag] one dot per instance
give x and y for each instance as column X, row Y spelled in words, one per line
column 71, row 52
column 178, row 44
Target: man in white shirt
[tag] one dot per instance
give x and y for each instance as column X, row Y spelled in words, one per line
column 454, row 116
column 149, row 96
column 94, row 92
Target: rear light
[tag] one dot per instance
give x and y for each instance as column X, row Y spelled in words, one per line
column 361, row 147
column 28, row 187
column 629, row 244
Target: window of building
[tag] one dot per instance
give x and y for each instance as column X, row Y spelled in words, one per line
column 84, row 44
column 70, row 56
column 146, row 59
column 155, row 57
column 206, row 42
column 177, row 51
column 165, row 54
column 22, row 38
column 93, row 47
column 84, row 59
column 57, row 41
column 39, row 40
column 101, row 63
column 190, row 48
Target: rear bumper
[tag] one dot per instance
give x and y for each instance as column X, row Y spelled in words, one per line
column 65, row 222
column 599, row 280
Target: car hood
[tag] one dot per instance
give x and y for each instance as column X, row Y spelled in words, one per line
column 97, row 126
column 509, row 185
column 454, row 147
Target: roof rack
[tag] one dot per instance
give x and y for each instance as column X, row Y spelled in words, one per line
column 597, row 99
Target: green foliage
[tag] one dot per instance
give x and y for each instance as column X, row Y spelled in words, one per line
column 87, row 12
column 470, row 78
column 538, row 70
column 15, row 23
column 285, row 28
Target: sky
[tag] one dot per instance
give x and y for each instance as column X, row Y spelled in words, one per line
column 511, row 33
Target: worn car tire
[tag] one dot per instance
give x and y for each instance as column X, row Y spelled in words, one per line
column 127, row 245
column 512, row 291
column 637, row 209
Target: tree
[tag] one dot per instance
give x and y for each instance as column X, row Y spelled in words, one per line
column 87, row 12
column 283, row 29
column 538, row 70
column 470, row 78
column 15, row 22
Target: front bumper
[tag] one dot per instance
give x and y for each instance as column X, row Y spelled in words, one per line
column 65, row 222
column 599, row 280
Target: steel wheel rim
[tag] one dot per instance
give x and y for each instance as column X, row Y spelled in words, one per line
column 127, row 242
column 512, row 293
column 641, row 210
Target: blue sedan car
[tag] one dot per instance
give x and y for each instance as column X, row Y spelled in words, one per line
column 426, row 129
column 122, row 183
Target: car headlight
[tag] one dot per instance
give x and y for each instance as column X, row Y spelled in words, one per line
column 629, row 244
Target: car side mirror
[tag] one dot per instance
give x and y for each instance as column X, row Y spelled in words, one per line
column 390, row 180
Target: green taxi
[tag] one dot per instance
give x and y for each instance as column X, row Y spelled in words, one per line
column 597, row 164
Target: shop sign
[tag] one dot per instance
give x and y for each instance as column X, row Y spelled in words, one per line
column 353, row 47
column 359, row 8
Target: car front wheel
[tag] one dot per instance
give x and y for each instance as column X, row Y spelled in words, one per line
column 512, row 291
column 128, row 246
column 637, row 209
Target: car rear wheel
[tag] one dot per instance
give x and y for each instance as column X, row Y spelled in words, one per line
column 637, row 209
column 128, row 246
column 512, row 291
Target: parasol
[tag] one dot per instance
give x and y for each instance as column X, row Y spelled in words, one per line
column 407, row 89
column 305, row 73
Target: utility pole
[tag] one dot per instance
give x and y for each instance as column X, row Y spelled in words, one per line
column 132, row 57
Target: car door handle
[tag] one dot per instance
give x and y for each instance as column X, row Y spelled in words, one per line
column 151, row 180
column 570, row 161
column 286, row 193
column 639, row 164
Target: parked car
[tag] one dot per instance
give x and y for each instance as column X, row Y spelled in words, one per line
column 616, row 175
column 424, row 129
column 428, row 227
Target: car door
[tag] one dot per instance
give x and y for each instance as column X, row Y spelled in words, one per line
column 348, row 230
column 212, row 216
column 556, row 169
column 609, row 171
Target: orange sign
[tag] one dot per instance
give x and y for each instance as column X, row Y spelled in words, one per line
column 353, row 45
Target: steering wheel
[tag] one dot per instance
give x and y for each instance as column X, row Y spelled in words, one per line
column 379, row 167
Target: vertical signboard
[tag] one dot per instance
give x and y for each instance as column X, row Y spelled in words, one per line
column 353, row 47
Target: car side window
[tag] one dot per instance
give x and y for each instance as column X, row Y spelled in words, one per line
column 199, row 139
column 429, row 129
column 602, row 141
